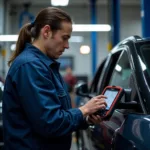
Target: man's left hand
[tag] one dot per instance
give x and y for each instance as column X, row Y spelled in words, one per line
column 94, row 119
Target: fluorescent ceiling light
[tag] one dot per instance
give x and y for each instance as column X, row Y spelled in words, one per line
column 91, row 27
column 8, row 38
column 59, row 2
column 13, row 38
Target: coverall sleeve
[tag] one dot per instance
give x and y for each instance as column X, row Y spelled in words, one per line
column 39, row 100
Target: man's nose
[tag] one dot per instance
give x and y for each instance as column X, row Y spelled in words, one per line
column 66, row 45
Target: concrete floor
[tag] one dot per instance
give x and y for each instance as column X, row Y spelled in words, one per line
column 74, row 145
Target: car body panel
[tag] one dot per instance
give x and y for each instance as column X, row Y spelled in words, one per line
column 104, row 132
column 136, row 130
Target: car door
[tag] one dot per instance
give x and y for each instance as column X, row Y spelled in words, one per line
column 120, row 128
column 98, row 83
column 102, row 72
column 92, row 90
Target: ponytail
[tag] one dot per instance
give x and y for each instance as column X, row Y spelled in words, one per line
column 24, row 37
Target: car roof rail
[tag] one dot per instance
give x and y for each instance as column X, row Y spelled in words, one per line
column 133, row 38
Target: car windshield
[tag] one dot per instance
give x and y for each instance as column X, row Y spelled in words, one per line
column 144, row 58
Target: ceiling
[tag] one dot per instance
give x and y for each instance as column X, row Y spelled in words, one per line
column 74, row 2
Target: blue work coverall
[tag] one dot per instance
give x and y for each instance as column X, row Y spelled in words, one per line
column 37, row 112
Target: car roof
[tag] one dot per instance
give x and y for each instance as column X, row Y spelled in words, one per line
column 133, row 39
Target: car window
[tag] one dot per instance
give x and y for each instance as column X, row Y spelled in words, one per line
column 122, row 72
column 122, row 76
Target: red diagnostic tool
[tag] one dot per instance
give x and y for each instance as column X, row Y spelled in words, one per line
column 113, row 94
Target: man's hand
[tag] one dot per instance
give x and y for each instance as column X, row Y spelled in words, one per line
column 94, row 119
column 93, row 105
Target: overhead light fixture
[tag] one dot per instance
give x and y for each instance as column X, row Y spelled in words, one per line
column 91, row 27
column 8, row 38
column 13, row 38
column 84, row 49
column 59, row 2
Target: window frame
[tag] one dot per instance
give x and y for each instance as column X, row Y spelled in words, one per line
column 134, row 82
column 107, row 70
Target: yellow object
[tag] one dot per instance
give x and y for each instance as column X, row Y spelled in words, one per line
column 109, row 46
column 3, row 52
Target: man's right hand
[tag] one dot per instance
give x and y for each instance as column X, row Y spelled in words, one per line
column 93, row 105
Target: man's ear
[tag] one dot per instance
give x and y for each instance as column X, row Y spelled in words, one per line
column 47, row 33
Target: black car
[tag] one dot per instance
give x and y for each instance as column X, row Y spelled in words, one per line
column 127, row 66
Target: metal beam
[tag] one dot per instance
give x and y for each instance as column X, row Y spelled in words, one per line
column 115, row 22
column 145, row 12
column 93, row 37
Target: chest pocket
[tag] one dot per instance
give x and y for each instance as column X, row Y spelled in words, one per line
column 63, row 98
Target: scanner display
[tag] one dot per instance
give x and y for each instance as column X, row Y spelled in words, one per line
column 111, row 95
